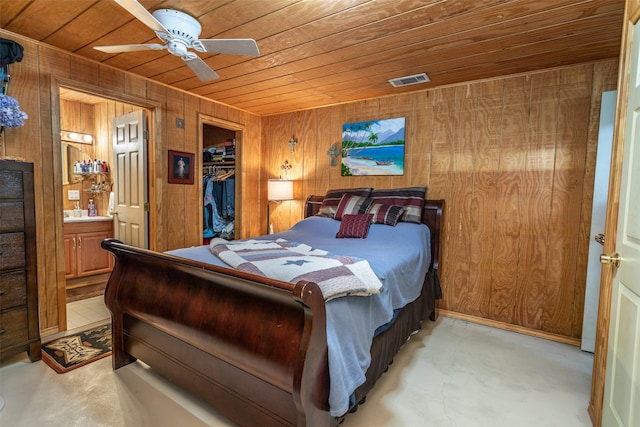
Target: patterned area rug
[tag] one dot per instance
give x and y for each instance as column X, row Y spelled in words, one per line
column 74, row 351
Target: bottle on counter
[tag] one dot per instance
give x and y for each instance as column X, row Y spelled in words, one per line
column 92, row 208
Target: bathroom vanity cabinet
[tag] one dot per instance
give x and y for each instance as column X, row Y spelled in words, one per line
column 87, row 265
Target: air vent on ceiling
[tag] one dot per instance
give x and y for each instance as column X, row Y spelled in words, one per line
column 409, row 80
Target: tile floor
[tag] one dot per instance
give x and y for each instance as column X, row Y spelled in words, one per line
column 450, row 374
column 85, row 312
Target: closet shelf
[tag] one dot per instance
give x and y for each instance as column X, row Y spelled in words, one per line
column 224, row 163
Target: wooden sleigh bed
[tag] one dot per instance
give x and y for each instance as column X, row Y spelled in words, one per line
column 254, row 348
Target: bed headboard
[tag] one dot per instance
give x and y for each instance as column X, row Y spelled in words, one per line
column 431, row 217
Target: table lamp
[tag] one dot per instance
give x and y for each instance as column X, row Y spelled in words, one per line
column 277, row 191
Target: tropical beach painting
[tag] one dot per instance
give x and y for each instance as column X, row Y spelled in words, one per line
column 375, row 147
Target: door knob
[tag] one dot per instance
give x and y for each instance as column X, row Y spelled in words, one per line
column 611, row 259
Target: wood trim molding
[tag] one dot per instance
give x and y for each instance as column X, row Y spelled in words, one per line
column 634, row 8
column 240, row 130
column 56, row 82
column 509, row 327
column 105, row 93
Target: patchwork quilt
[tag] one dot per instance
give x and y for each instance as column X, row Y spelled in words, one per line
column 336, row 275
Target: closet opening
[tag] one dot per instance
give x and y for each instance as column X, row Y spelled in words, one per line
column 219, row 166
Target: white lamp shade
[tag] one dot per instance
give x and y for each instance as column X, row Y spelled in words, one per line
column 279, row 189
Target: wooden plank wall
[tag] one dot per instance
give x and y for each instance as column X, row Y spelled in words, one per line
column 175, row 220
column 514, row 159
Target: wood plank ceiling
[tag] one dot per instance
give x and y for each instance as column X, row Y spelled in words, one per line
column 322, row 52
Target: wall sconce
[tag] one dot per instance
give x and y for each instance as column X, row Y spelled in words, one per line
column 292, row 144
column 78, row 137
column 278, row 190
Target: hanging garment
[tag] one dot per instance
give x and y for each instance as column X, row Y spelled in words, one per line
column 229, row 198
column 212, row 222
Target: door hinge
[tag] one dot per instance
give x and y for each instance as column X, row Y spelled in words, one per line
column 147, row 208
column 145, row 135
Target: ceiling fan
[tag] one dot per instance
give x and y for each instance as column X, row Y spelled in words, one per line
column 179, row 32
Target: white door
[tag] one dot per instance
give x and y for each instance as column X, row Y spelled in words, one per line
column 130, row 214
column 622, row 383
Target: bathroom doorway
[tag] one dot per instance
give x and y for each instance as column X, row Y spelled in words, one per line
column 86, row 125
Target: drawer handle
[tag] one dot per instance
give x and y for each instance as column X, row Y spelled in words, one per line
column 2, row 331
column 1, row 292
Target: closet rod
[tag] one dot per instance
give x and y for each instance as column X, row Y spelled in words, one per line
column 213, row 169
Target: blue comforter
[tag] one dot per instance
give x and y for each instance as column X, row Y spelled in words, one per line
column 399, row 256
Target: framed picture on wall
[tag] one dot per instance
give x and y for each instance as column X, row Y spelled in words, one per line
column 375, row 147
column 181, row 167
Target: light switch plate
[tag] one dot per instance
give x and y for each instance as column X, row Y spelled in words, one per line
column 73, row 194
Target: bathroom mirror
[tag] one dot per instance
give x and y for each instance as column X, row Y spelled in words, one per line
column 70, row 155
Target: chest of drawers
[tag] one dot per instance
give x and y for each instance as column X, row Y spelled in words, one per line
column 19, row 329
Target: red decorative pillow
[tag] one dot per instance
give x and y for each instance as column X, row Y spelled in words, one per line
column 385, row 214
column 355, row 226
column 350, row 204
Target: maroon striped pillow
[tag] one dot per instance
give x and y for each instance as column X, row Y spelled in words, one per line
column 332, row 198
column 350, row 204
column 385, row 214
column 411, row 198
column 354, row 226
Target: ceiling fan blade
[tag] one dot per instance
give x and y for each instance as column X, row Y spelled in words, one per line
column 129, row 47
column 246, row 47
column 199, row 67
column 142, row 14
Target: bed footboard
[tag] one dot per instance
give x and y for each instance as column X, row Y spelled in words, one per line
column 239, row 342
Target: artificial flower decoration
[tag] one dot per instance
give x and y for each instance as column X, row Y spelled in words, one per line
column 10, row 114
column 285, row 170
